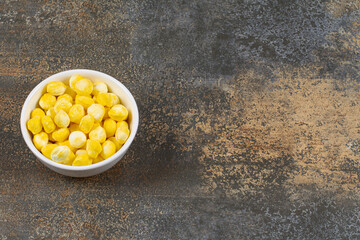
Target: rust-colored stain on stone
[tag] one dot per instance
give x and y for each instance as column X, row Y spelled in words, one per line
column 249, row 119
column 298, row 129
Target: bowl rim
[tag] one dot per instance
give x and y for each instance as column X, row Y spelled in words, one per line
column 39, row 155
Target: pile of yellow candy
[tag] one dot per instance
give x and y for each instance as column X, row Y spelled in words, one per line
column 79, row 124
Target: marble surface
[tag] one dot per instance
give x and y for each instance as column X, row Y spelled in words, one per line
column 249, row 119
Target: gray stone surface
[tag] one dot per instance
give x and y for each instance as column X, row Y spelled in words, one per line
column 249, row 113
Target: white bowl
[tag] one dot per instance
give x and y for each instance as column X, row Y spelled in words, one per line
column 114, row 86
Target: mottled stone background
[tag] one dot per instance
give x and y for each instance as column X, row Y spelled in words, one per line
column 250, row 119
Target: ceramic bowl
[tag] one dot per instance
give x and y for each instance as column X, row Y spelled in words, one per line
column 114, row 86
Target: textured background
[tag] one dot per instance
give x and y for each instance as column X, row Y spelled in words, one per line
column 250, row 119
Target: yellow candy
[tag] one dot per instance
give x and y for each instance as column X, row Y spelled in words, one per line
column 62, row 104
column 74, row 127
column 97, row 111
column 96, row 124
column 118, row 112
column 40, row 140
column 37, row 112
column 73, row 80
column 67, row 143
column 51, row 112
column 123, row 125
column 62, row 119
column 51, row 139
column 82, row 160
column 99, row 87
column 61, row 134
column 93, row 148
column 84, row 101
column 47, row 101
column 60, row 153
column 115, row 99
column 34, row 125
column 77, row 139
column 70, row 92
column 67, row 97
column 122, row 135
column 98, row 159
column 84, row 87
column 104, row 99
column 96, row 114
column 86, row 124
column 116, row 142
column 108, row 149
column 110, row 127
column 80, row 151
column 56, row 88
column 106, row 115
column 47, row 149
column 76, row 113
column 98, row 134
column 48, row 124
column 107, row 99
column 70, row 159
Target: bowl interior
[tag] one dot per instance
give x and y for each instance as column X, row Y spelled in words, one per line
column 114, row 86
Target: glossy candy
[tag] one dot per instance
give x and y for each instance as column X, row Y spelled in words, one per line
column 37, row 112
column 97, row 111
column 56, row 88
column 34, row 125
column 118, row 112
column 60, row 153
column 79, row 124
column 98, row 134
column 76, row 113
column 86, row 123
column 40, row 140
column 110, row 127
column 77, row 139
column 47, row 101
column 48, row 124
column 108, row 149
column 82, row 160
column 62, row 119
column 93, row 148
